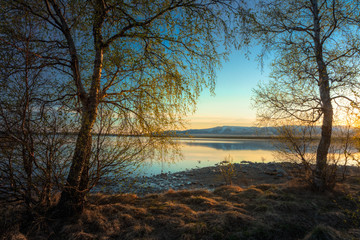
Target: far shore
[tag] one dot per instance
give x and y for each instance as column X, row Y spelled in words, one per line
column 3, row 137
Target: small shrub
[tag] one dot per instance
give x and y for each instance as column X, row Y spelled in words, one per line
column 227, row 169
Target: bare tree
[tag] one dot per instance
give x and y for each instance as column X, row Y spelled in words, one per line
column 316, row 65
column 33, row 155
column 297, row 143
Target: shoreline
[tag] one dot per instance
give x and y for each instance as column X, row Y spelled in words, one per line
column 246, row 174
column 272, row 204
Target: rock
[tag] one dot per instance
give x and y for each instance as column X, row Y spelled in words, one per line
column 276, row 172
column 324, row 232
column 282, row 171
column 163, row 175
column 246, row 162
column 355, row 233
column 271, row 172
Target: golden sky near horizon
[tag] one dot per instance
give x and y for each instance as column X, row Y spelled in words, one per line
column 231, row 105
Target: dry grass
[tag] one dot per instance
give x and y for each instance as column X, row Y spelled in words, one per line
column 287, row 211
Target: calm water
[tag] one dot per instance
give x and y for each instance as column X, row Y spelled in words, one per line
column 203, row 152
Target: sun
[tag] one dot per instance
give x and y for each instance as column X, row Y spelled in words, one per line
column 347, row 116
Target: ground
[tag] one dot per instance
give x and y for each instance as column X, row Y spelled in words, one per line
column 266, row 201
column 245, row 175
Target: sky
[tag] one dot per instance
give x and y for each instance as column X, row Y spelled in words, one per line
column 231, row 105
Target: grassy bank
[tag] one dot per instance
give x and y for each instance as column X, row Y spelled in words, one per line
column 266, row 211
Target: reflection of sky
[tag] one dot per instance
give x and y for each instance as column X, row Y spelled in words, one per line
column 203, row 153
column 230, row 145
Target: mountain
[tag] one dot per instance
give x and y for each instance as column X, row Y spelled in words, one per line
column 249, row 131
column 231, row 130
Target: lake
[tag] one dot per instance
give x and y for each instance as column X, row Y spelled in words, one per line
column 203, row 152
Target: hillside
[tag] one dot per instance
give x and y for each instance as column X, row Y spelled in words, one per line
column 238, row 131
column 231, row 130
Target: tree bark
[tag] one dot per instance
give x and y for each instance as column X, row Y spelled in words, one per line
column 73, row 196
column 320, row 175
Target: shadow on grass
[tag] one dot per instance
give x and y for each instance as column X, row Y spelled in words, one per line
column 266, row 211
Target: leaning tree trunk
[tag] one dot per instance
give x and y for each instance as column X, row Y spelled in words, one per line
column 73, row 195
column 320, row 175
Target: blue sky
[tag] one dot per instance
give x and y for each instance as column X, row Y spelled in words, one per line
column 231, row 105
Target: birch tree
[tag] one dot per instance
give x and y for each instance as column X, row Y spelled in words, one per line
column 316, row 65
column 146, row 60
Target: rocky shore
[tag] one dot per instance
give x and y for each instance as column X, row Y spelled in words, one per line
column 245, row 174
column 267, row 201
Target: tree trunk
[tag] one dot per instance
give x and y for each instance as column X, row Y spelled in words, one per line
column 73, row 196
column 320, row 176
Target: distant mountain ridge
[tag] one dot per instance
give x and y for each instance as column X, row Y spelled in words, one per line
column 243, row 131
column 231, row 130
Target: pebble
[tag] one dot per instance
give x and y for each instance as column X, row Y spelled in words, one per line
column 246, row 162
column 180, row 180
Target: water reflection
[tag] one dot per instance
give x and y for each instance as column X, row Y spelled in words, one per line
column 223, row 144
column 200, row 152
column 203, row 152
